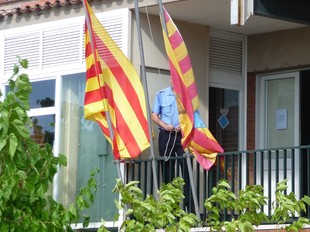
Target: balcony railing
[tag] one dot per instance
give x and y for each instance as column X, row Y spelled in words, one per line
column 264, row 167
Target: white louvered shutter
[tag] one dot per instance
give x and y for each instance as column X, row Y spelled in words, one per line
column 61, row 46
column 27, row 45
column 226, row 55
column 226, row 58
column 57, row 45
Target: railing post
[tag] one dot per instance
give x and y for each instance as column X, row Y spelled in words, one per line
column 191, row 180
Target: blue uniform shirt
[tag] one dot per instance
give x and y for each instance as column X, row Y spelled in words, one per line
column 165, row 106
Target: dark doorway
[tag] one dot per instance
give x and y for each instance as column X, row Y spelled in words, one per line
column 224, row 125
column 224, row 105
column 305, row 130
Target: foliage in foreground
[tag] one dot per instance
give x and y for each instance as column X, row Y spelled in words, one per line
column 27, row 168
column 245, row 210
column 151, row 214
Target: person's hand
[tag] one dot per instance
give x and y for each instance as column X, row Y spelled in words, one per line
column 177, row 129
column 169, row 127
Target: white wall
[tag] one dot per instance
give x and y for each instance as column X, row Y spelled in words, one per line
column 279, row 50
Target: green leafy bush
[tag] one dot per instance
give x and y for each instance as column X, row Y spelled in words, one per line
column 245, row 211
column 286, row 207
column 27, row 168
column 151, row 214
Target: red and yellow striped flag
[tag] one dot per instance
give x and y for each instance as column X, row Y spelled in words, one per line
column 113, row 89
column 197, row 138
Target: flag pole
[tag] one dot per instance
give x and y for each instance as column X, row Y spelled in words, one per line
column 144, row 83
column 95, row 58
column 187, row 154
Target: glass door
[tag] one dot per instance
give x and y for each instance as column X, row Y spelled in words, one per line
column 278, row 118
column 280, row 112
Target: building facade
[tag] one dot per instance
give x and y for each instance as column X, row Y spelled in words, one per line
column 254, row 76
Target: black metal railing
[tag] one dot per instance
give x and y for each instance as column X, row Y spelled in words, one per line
column 264, row 167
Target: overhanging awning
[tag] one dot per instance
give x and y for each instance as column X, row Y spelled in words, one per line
column 289, row 10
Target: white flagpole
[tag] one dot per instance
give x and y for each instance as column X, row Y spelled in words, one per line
column 89, row 27
column 189, row 165
column 144, row 83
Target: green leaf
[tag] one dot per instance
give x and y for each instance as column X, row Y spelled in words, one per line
column 41, row 191
column 62, row 160
column 20, row 112
column 293, row 228
column 22, row 174
column 22, row 95
column 101, row 229
column 15, row 69
column 189, row 220
column 208, row 205
column 129, row 212
column 73, row 211
column 304, row 220
column 86, row 221
column 19, row 128
column 31, row 188
column 118, row 204
column 22, row 82
column 281, row 186
column 2, row 143
column 24, row 63
column 306, row 199
column 80, row 202
column 224, row 183
column 88, row 194
column 168, row 198
column 248, row 226
column 13, row 143
column 34, row 226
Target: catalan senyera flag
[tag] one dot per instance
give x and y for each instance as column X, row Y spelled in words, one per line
column 195, row 135
column 114, row 96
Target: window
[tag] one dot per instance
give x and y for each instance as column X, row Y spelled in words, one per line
column 86, row 148
column 42, row 111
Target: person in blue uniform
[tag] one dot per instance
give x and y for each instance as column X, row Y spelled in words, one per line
column 165, row 115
